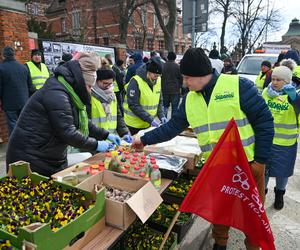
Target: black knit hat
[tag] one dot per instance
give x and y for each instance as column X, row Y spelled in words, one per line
column 154, row 65
column 104, row 74
column 171, row 56
column 267, row 64
column 195, row 63
column 35, row 52
column 8, row 52
column 66, row 57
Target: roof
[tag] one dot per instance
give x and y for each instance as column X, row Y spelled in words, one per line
column 294, row 29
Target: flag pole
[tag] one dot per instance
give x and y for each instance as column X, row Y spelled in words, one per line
column 169, row 230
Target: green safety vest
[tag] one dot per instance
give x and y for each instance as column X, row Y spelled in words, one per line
column 100, row 118
column 38, row 77
column 296, row 71
column 116, row 87
column 209, row 122
column 149, row 101
column 259, row 82
column 285, row 120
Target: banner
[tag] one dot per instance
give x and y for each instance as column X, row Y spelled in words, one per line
column 225, row 192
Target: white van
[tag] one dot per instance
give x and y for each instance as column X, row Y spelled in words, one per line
column 250, row 64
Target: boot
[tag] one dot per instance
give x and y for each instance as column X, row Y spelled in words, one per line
column 279, row 202
column 219, row 247
column 266, row 191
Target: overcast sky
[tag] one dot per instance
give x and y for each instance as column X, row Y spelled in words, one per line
column 289, row 10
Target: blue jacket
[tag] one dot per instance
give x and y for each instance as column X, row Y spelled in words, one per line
column 252, row 104
column 132, row 68
column 15, row 85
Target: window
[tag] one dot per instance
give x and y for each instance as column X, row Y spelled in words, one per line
column 138, row 43
column 33, row 9
column 150, row 44
column 106, row 41
column 144, row 16
column 161, row 45
column 155, row 21
column 63, row 25
column 76, row 20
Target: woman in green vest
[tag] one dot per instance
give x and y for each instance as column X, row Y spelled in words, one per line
column 105, row 112
column 284, row 104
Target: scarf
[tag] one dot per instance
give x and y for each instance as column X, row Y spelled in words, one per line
column 83, row 117
column 272, row 93
column 104, row 96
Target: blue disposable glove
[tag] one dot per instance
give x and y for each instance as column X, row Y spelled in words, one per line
column 290, row 90
column 154, row 123
column 114, row 139
column 164, row 120
column 103, row 146
column 128, row 138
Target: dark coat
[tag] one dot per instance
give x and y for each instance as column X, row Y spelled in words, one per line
column 171, row 80
column 252, row 104
column 15, row 85
column 49, row 123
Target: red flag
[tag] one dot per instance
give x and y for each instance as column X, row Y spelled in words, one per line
column 225, row 192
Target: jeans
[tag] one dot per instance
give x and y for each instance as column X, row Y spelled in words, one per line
column 281, row 182
column 11, row 118
column 172, row 99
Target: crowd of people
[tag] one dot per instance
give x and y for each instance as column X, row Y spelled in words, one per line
column 91, row 103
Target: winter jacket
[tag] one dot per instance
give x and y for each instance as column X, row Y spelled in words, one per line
column 49, row 123
column 119, row 77
column 132, row 68
column 171, row 79
column 15, row 85
column 133, row 98
column 252, row 104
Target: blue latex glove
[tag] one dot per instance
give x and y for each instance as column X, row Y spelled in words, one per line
column 154, row 123
column 114, row 139
column 164, row 120
column 290, row 90
column 103, row 146
column 128, row 138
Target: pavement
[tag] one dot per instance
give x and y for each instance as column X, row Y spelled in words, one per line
column 285, row 223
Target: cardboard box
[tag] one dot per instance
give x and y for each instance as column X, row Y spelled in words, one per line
column 69, row 170
column 122, row 214
column 39, row 235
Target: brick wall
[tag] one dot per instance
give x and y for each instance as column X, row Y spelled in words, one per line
column 13, row 32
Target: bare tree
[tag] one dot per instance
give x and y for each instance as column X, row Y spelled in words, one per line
column 223, row 7
column 166, row 8
column 252, row 19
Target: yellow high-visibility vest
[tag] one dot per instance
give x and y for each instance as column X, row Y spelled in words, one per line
column 259, row 82
column 38, row 77
column 149, row 100
column 209, row 122
column 100, row 118
column 285, row 121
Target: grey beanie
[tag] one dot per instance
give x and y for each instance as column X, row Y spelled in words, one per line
column 283, row 73
column 8, row 52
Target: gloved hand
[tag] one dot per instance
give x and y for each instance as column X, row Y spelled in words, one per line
column 164, row 120
column 128, row 138
column 114, row 139
column 290, row 90
column 103, row 146
column 154, row 123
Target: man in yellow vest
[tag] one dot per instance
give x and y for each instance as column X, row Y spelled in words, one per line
column 212, row 101
column 264, row 77
column 38, row 71
column 143, row 100
column 104, row 109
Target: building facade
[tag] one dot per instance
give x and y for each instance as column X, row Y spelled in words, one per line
column 100, row 22
column 292, row 36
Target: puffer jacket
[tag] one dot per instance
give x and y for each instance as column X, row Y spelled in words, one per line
column 49, row 123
